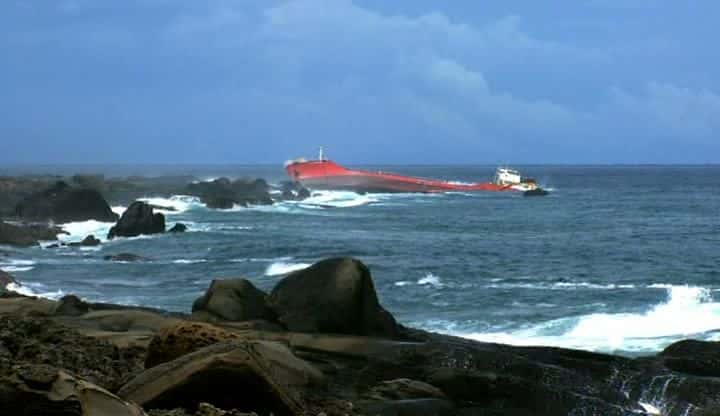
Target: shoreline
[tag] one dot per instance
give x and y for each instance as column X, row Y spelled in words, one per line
column 400, row 369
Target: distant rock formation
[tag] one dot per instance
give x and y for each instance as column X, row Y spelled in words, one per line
column 63, row 203
column 223, row 193
column 138, row 219
column 178, row 228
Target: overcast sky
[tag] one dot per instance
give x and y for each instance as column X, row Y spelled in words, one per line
column 374, row 81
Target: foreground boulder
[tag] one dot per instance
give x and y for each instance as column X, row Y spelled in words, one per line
column 259, row 376
column 63, row 203
column 701, row 358
column 26, row 235
column 332, row 296
column 223, row 193
column 183, row 338
column 138, row 219
column 36, row 389
column 232, row 300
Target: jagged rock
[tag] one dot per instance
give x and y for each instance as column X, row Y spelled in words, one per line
column 26, row 235
column 125, row 257
column 45, row 390
column 63, row 203
column 178, row 228
column 269, row 376
column 138, row 219
column 233, row 300
column 183, row 338
column 89, row 241
column 223, row 193
column 332, row 296
column 71, row 305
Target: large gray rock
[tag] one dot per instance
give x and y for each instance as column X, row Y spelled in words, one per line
column 232, row 300
column 332, row 296
column 138, row 219
column 223, row 193
column 63, row 203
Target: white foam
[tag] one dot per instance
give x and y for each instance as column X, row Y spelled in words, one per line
column 118, row 209
column 37, row 290
column 650, row 409
column 402, row 283
column 280, row 268
column 11, row 269
column 179, row 203
column 78, row 230
column 688, row 311
column 187, row 261
column 430, row 279
column 335, row 199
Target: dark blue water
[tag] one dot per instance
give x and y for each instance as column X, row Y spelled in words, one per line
column 621, row 259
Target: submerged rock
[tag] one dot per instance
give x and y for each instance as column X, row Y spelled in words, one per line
column 138, row 219
column 89, row 241
column 332, row 296
column 125, row 257
column 178, row 228
column 63, row 203
column 233, row 300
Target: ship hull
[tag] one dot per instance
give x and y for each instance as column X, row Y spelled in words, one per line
column 327, row 175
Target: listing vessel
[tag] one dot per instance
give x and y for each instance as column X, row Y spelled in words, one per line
column 325, row 174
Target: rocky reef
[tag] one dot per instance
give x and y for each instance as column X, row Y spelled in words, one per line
column 319, row 344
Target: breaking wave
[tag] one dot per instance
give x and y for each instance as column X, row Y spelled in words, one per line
column 35, row 289
column 80, row 229
column 178, row 204
column 687, row 311
column 280, row 268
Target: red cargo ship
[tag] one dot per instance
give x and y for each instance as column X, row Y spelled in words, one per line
column 328, row 175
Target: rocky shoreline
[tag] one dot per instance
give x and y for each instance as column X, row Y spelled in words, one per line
column 329, row 348
column 319, row 343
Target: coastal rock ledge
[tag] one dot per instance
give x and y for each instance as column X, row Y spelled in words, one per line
column 319, row 344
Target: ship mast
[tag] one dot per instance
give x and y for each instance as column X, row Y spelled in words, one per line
column 321, row 154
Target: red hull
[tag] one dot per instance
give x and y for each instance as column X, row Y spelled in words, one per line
column 325, row 174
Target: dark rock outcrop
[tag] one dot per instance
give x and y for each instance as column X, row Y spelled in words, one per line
column 178, row 228
column 125, row 257
column 223, row 193
column 63, row 203
column 271, row 378
column 138, row 219
column 71, row 305
column 332, row 296
column 26, row 235
column 232, row 300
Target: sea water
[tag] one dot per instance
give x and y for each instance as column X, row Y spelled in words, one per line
column 617, row 258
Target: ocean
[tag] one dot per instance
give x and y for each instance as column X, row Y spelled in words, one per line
column 622, row 259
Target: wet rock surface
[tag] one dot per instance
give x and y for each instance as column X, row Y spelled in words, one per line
column 232, row 300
